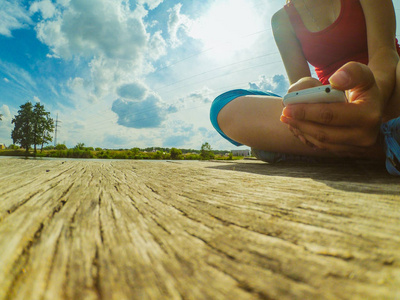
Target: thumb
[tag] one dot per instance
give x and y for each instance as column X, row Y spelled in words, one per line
column 353, row 75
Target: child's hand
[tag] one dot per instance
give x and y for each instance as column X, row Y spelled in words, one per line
column 343, row 128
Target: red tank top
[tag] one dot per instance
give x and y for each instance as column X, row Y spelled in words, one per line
column 343, row 41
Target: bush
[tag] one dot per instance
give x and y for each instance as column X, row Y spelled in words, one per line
column 103, row 154
column 191, row 156
column 120, row 155
column 158, row 155
column 72, row 153
column 61, row 147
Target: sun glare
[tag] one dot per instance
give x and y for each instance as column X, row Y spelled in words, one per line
column 228, row 27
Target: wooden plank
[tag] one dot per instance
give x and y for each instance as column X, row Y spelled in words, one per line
column 74, row 229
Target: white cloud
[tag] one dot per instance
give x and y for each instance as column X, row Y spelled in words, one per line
column 133, row 91
column 157, row 45
column 45, row 7
column 5, row 125
column 95, row 28
column 147, row 113
column 18, row 75
column 5, row 111
column 277, row 84
column 6, row 79
column 52, row 55
column 76, row 83
column 62, row 2
column 111, row 35
column 200, row 96
column 138, row 107
column 177, row 22
column 36, row 99
column 152, row 4
column 12, row 16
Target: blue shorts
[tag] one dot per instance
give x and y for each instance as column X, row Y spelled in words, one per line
column 224, row 99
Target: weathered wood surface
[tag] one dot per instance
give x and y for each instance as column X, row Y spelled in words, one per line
column 198, row 230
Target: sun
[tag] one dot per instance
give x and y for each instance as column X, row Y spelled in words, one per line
column 228, row 27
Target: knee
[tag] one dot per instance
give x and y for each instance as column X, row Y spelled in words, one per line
column 229, row 115
column 221, row 112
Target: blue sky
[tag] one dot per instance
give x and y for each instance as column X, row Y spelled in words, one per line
column 123, row 73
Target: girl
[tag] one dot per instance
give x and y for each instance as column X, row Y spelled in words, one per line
column 352, row 45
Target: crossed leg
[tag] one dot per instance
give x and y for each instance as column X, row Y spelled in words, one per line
column 255, row 121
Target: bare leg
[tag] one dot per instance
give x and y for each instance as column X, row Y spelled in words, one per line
column 255, row 121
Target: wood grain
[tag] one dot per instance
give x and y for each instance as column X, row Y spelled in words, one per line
column 198, row 230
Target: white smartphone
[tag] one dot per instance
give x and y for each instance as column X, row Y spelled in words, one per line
column 319, row 94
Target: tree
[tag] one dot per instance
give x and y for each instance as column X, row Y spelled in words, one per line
column 43, row 125
column 175, row 153
column 206, row 152
column 80, row 146
column 33, row 126
column 1, row 117
column 23, row 133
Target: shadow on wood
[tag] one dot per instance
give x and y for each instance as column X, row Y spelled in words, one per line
column 361, row 176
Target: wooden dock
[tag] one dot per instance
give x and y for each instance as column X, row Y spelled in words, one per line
column 198, row 230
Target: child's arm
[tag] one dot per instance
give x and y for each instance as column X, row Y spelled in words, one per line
column 289, row 47
column 381, row 30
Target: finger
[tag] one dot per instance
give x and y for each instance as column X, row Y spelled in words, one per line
column 353, row 75
column 304, row 83
column 337, row 149
column 333, row 114
column 321, row 135
column 340, row 149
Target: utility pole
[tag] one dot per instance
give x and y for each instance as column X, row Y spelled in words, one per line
column 56, row 127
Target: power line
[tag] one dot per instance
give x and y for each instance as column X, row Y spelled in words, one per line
column 215, row 69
